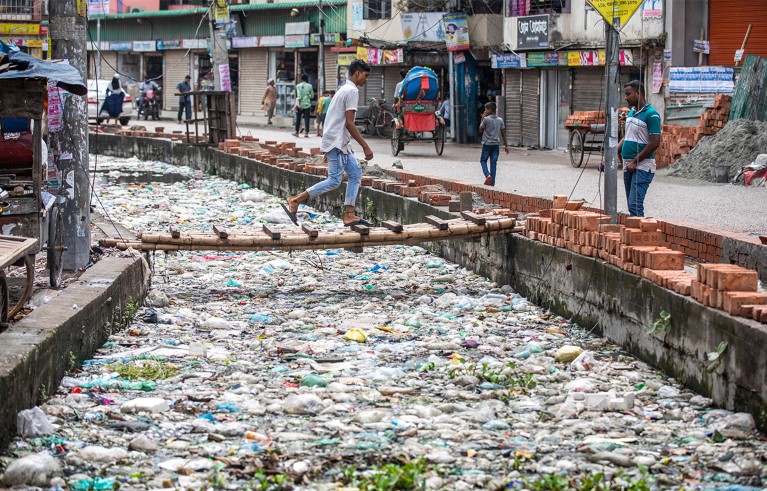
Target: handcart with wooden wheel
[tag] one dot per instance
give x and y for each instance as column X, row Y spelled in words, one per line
column 417, row 119
column 30, row 216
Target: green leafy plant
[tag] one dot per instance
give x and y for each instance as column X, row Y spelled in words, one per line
column 146, row 370
column 484, row 373
column 593, row 482
column 392, row 476
column 662, row 324
column 715, row 356
column 271, row 482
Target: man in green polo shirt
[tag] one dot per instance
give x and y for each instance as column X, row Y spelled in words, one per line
column 636, row 150
column 304, row 96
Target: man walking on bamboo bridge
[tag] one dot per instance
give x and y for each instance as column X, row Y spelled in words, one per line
column 336, row 144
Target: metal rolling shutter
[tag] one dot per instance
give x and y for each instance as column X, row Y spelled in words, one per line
column 588, row 89
column 531, row 116
column 728, row 23
column 373, row 87
column 108, row 60
column 512, row 118
column 331, row 69
column 392, row 78
column 254, row 68
column 176, row 68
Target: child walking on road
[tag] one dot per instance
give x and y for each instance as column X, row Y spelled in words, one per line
column 493, row 132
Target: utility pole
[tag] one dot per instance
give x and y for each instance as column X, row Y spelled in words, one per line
column 321, row 57
column 612, row 63
column 67, row 26
column 98, row 48
column 218, row 51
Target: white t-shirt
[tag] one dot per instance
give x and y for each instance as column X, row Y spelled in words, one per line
column 335, row 134
column 397, row 88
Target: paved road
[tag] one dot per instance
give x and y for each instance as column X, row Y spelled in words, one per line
column 545, row 173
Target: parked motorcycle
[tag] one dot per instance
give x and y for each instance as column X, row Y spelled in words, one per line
column 151, row 106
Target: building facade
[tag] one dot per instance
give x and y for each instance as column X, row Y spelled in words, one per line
column 264, row 40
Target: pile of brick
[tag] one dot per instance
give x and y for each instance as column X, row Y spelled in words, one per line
column 677, row 141
column 585, row 118
column 731, row 288
column 639, row 246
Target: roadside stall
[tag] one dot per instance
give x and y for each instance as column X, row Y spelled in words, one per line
column 30, row 216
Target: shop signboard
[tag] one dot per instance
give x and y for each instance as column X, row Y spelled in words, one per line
column 456, row 32
column 543, row 58
column 194, row 43
column 271, row 41
column 221, row 12
column 295, row 28
column 98, row 7
column 144, row 46
column 331, row 38
column 163, row 44
column 701, row 79
column 297, row 41
column 393, row 56
column 120, row 46
column 19, row 29
column 346, row 59
column 533, row 32
column 508, row 60
column 245, row 42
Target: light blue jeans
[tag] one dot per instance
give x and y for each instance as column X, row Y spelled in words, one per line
column 636, row 184
column 338, row 162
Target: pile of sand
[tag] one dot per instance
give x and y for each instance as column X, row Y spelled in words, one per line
column 736, row 145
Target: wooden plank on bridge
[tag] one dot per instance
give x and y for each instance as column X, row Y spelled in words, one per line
column 361, row 229
column 222, row 232
column 473, row 217
column 309, row 230
column 273, row 234
column 174, row 232
column 437, row 222
column 395, row 227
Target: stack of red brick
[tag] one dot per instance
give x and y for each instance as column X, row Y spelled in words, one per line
column 677, row 141
column 585, row 118
column 731, row 288
column 639, row 246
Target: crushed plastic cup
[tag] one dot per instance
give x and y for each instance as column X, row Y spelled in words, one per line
column 356, row 334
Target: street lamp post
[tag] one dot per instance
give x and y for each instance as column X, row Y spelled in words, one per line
column 321, row 57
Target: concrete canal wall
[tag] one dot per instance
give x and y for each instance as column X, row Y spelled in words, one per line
column 614, row 303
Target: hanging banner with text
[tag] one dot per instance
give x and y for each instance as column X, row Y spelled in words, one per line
column 701, row 79
column 616, row 12
column 457, row 32
column 423, row 26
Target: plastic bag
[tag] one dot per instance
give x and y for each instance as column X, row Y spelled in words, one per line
column 33, row 422
column 584, row 362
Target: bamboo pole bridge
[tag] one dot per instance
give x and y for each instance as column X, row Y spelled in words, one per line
column 270, row 237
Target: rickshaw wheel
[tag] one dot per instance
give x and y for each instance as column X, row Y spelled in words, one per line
column 396, row 145
column 55, row 247
column 576, row 148
column 29, row 266
column 439, row 139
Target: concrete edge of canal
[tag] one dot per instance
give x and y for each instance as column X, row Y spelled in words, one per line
column 37, row 351
column 612, row 302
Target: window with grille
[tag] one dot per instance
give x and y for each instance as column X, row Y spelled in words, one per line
column 377, row 9
column 20, row 9
column 516, row 8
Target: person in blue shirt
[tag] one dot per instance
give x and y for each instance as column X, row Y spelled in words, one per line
column 636, row 149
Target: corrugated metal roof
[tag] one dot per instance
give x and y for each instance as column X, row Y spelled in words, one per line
column 233, row 8
column 272, row 23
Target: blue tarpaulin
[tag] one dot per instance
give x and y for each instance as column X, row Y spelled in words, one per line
column 23, row 65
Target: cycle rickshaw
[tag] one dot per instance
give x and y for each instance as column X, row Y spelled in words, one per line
column 417, row 119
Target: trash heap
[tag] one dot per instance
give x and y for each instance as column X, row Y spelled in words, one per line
column 330, row 370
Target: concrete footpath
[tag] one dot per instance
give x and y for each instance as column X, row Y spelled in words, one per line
column 543, row 173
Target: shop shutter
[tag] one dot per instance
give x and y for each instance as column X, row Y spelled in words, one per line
column 331, row 69
column 176, row 68
column 728, row 23
column 373, row 87
column 254, row 68
column 588, row 89
column 531, row 116
column 391, row 79
column 108, row 60
column 513, row 118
